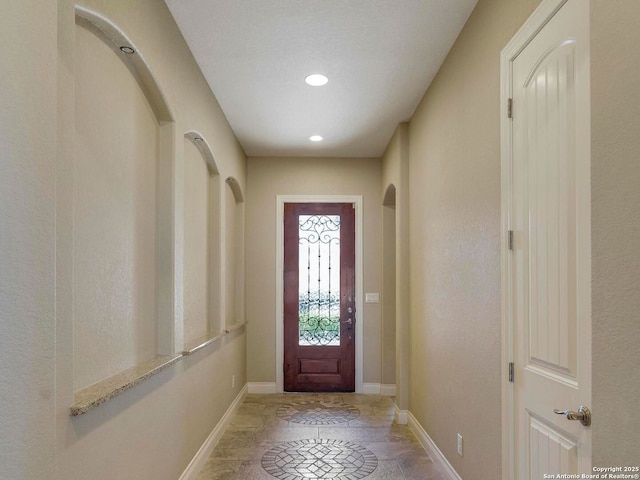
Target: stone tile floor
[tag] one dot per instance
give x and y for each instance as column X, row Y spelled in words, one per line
column 318, row 436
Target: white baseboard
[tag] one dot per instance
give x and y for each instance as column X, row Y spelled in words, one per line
column 388, row 390
column 432, row 449
column 371, row 388
column 402, row 416
column 262, row 388
column 267, row 388
column 196, row 464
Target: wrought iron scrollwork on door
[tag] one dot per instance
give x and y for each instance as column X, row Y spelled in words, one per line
column 319, row 295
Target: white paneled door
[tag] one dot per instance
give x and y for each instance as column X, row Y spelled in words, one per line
column 549, row 268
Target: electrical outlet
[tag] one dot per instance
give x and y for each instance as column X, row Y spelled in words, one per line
column 459, row 444
column 233, row 381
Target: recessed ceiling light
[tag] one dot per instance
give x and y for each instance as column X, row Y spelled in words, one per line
column 316, row 138
column 316, row 80
column 127, row 49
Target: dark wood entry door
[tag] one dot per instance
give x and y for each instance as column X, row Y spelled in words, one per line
column 319, row 297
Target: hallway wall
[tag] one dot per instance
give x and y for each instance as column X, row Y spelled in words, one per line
column 395, row 174
column 615, row 225
column 454, row 167
column 154, row 429
column 269, row 177
column 455, row 239
column 27, row 233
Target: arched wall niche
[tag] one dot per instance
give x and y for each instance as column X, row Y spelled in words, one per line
column 390, row 196
column 115, row 38
column 236, row 189
column 389, row 296
column 200, row 142
column 234, row 253
column 122, row 207
column 202, row 243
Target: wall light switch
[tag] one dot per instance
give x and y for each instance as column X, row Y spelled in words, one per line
column 372, row 297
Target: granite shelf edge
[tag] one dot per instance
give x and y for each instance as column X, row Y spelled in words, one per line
column 234, row 327
column 202, row 342
column 98, row 393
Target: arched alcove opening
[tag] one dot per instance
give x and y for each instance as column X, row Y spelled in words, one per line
column 389, row 286
column 202, row 255
column 234, row 253
column 131, row 57
column 121, row 244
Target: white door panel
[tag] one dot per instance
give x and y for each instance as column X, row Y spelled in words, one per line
column 551, row 451
column 550, row 266
column 549, row 178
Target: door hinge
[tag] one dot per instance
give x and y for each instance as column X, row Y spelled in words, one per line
column 510, row 239
column 509, row 107
column 511, row 372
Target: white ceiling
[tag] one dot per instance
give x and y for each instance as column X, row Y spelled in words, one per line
column 380, row 56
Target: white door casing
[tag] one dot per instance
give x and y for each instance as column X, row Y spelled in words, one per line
column 547, row 275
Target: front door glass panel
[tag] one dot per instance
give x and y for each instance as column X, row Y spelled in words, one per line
column 319, row 280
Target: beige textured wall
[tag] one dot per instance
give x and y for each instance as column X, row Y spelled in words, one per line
column 455, row 241
column 395, row 174
column 269, row 177
column 196, row 243
column 114, row 187
column 27, row 211
column 615, row 184
column 240, row 274
column 230, row 256
column 154, row 429
column 388, row 296
column 216, row 218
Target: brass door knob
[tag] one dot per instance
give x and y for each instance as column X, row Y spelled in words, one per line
column 583, row 414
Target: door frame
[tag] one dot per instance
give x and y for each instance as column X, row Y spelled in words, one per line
column 280, row 201
column 532, row 26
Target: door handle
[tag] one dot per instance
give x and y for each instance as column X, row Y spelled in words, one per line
column 583, row 414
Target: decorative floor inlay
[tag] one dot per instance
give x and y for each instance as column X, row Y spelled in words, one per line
column 318, row 412
column 319, row 458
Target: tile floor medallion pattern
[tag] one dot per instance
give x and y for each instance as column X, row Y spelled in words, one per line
column 289, row 437
column 318, row 412
column 319, row 458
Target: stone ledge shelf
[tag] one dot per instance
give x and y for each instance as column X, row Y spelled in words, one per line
column 234, row 327
column 200, row 343
column 98, row 393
